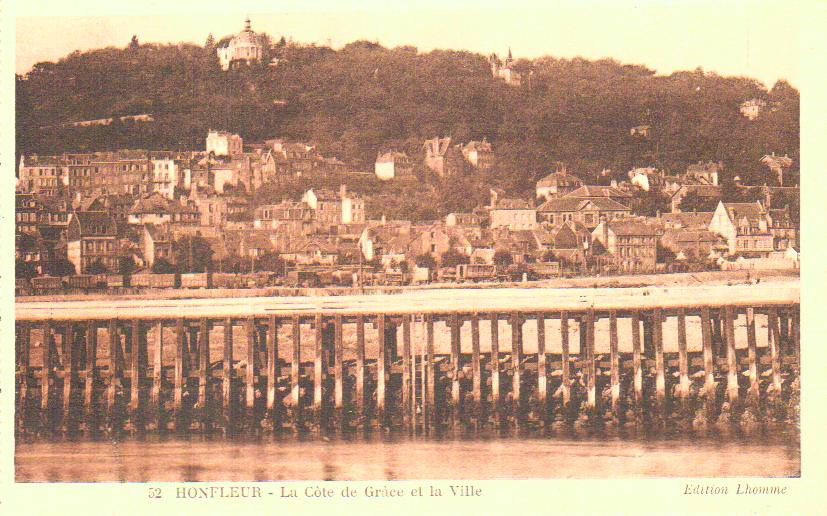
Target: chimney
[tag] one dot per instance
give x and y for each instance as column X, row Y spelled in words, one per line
column 383, row 220
column 342, row 191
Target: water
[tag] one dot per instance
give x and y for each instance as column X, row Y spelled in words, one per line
column 772, row 454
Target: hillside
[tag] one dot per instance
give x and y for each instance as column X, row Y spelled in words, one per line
column 365, row 98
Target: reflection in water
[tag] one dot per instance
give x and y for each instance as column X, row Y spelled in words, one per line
column 773, row 453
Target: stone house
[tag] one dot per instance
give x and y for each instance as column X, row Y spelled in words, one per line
column 91, row 238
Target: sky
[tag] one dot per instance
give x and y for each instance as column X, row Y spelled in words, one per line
column 755, row 38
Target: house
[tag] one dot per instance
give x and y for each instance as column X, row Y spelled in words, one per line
column 778, row 165
column 376, row 236
column 515, row 214
column 165, row 176
column 223, row 143
column 393, row 164
column 156, row 243
column 332, row 209
column 152, row 208
column 559, row 182
column 43, row 175
column 586, row 211
column 569, row 241
column 27, row 213
column 432, row 239
column 442, row 158
column 640, row 130
column 709, row 192
column 504, row 69
column 744, row 226
column 631, row 243
column 244, row 48
column 311, row 251
column 595, row 191
column 295, row 218
column 784, row 231
column 520, row 244
column 479, row 155
column 92, row 239
column 704, row 173
column 693, row 243
column 752, row 108
column 686, row 220
column 463, row 219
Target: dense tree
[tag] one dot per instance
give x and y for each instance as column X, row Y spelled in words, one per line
column 163, row 266
column 270, row 262
column 126, row 265
column 24, row 269
column 363, row 98
column 426, row 261
column 694, row 202
column 96, row 267
column 192, row 254
column 503, row 259
column 60, row 267
column 452, row 258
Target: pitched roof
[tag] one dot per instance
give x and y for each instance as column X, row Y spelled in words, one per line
column 513, row 204
column 633, row 227
column 560, row 178
column 567, row 204
column 711, row 191
column 598, row 191
column 699, row 219
column 95, row 223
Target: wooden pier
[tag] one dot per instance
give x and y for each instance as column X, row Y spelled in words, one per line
column 168, row 373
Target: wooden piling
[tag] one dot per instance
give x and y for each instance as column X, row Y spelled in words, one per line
column 564, row 350
column 381, row 371
column 430, row 376
column 476, row 368
column 752, row 357
column 112, row 408
column 89, row 401
column 273, row 405
column 518, row 408
column 24, row 335
column 637, row 363
column 47, row 376
column 227, row 378
column 202, row 352
column 295, row 374
column 136, row 372
column 68, row 374
column 614, row 364
column 360, row 370
column 407, row 401
column 496, row 403
column 660, row 366
column 683, row 358
column 319, row 365
column 250, row 374
column 456, row 409
column 773, row 340
column 591, row 385
column 542, row 370
column 178, row 378
column 709, row 362
column 155, row 401
column 732, row 358
column 338, row 371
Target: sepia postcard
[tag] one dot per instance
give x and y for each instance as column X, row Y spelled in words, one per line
column 453, row 257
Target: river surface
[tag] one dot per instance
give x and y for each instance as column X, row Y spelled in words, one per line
column 772, row 454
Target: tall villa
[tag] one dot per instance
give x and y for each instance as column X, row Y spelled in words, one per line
column 503, row 70
column 242, row 49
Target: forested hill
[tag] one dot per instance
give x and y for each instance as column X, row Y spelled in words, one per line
column 365, row 98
